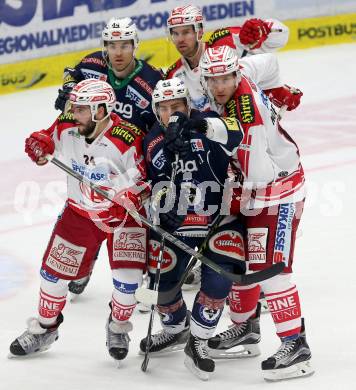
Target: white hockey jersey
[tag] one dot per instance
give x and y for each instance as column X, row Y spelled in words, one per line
column 230, row 37
column 113, row 161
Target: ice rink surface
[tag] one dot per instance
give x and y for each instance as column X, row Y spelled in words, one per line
column 324, row 126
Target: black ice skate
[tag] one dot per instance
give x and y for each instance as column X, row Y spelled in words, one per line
column 192, row 282
column 35, row 339
column 197, row 358
column 292, row 360
column 238, row 341
column 117, row 338
column 163, row 341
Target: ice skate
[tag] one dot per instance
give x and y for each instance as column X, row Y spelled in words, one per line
column 197, row 358
column 35, row 339
column 163, row 341
column 240, row 340
column 117, row 338
column 292, row 360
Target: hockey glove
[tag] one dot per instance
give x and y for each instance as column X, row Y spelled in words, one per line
column 177, row 137
column 38, row 145
column 254, row 32
column 63, row 95
column 197, row 125
column 285, row 96
column 123, row 202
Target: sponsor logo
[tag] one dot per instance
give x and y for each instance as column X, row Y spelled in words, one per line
column 134, row 95
column 92, row 74
column 130, row 245
column 21, row 80
column 144, row 85
column 228, row 243
column 65, row 257
column 93, row 60
column 46, row 275
column 152, row 144
column 217, row 35
column 123, row 134
column 197, row 145
column 231, row 124
column 257, row 244
column 231, row 108
column 124, row 110
column 125, row 288
column 91, row 174
column 283, row 233
column 247, row 110
column 328, row 31
column 159, row 160
column 169, row 257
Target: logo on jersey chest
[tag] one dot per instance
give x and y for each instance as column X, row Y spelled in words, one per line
column 134, row 95
column 124, row 110
column 92, row 74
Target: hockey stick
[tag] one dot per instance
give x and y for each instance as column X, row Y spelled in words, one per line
column 150, row 324
column 167, row 296
column 256, row 277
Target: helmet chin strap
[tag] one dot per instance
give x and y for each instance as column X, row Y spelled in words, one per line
column 94, row 110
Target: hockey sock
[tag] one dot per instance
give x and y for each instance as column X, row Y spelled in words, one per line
column 243, row 302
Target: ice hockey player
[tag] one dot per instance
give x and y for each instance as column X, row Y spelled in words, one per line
column 102, row 147
column 201, row 170
column 133, row 81
column 273, row 196
column 186, row 28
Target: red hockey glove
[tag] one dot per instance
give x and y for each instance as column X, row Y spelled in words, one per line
column 254, row 32
column 123, row 202
column 285, row 96
column 38, row 145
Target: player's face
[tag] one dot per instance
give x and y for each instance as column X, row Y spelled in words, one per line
column 185, row 40
column 83, row 119
column 222, row 87
column 120, row 54
column 167, row 108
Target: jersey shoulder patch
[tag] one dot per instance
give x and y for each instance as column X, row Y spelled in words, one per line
column 66, row 118
column 94, row 58
column 126, row 132
column 217, row 35
column 172, row 69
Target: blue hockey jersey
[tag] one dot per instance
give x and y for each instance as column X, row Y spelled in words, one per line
column 133, row 94
column 200, row 177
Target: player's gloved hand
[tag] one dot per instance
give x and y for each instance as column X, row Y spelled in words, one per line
column 177, row 136
column 37, row 145
column 63, row 95
column 254, row 32
column 285, row 96
column 123, row 202
column 199, row 125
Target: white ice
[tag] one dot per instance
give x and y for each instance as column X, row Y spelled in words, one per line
column 324, row 127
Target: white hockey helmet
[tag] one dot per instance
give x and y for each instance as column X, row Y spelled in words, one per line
column 219, row 61
column 120, row 30
column 186, row 16
column 170, row 89
column 93, row 92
